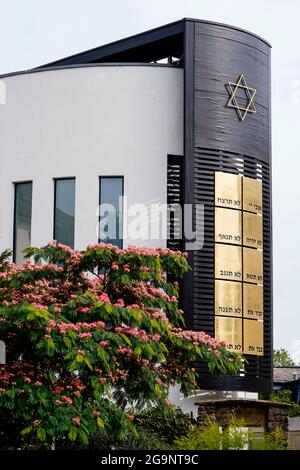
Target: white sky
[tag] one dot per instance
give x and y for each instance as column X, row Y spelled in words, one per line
column 34, row 32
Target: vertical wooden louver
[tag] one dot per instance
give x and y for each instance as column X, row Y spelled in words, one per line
column 207, row 161
column 175, row 196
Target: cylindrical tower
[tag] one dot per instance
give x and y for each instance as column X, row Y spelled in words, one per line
column 228, row 293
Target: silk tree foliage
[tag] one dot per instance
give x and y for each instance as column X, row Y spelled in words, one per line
column 89, row 333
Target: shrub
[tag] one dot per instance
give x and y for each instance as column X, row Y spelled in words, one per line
column 166, row 424
column 210, row 436
column 139, row 440
column 270, row 441
column 235, row 436
column 294, row 410
column 285, row 396
column 155, row 428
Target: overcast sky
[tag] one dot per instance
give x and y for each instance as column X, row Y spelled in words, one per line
column 34, row 32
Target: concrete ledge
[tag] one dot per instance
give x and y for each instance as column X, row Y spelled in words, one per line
column 217, row 401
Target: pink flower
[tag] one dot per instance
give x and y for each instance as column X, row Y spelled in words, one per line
column 76, row 421
column 104, row 298
column 68, row 400
column 156, row 337
column 58, row 389
column 85, row 335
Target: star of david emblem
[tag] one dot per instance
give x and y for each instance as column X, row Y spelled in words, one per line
column 243, row 106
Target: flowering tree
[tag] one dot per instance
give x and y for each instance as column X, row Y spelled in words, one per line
column 88, row 333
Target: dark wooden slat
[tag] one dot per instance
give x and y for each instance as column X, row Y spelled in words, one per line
column 257, row 374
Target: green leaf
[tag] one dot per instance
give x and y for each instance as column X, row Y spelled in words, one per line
column 83, row 437
column 72, row 334
column 100, row 423
column 41, row 434
column 79, row 358
column 72, row 434
column 42, row 395
column 108, row 308
column 137, row 350
column 37, row 313
column 88, row 363
column 94, row 382
column 126, row 339
column 26, row 430
column 157, row 390
column 101, row 353
column 67, row 342
column 149, row 351
column 50, row 346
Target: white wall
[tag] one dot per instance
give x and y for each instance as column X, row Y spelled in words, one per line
column 187, row 404
column 86, row 122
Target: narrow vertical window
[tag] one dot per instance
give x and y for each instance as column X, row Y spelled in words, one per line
column 64, row 211
column 175, row 197
column 111, row 210
column 22, row 220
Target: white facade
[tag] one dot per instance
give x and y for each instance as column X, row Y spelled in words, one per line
column 86, row 122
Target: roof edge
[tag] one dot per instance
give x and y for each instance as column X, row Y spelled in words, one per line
column 173, row 30
column 229, row 26
column 79, row 66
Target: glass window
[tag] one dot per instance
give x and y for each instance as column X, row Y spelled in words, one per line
column 22, row 219
column 111, row 210
column 64, row 211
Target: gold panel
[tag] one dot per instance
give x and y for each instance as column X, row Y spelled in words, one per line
column 252, row 195
column 228, row 262
column 228, row 190
column 252, row 230
column 228, row 298
column 229, row 330
column 253, row 301
column 254, row 337
column 228, row 226
column 253, row 266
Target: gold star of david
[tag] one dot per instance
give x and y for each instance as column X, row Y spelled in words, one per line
column 241, row 110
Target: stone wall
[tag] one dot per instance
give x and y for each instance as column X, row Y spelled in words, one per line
column 254, row 413
column 278, row 417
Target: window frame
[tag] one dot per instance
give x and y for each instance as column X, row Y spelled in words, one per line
column 55, row 180
column 121, row 177
column 15, row 185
